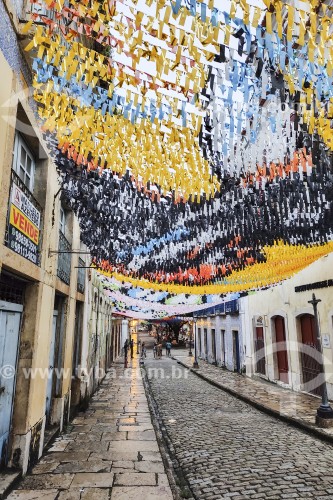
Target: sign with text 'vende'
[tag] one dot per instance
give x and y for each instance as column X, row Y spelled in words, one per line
column 24, row 225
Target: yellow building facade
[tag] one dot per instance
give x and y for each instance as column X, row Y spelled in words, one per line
column 55, row 319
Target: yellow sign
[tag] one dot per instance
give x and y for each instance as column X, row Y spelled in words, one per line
column 23, row 224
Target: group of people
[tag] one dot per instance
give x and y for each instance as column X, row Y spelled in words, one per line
column 157, row 349
column 129, row 344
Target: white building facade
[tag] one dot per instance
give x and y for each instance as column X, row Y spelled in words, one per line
column 280, row 333
column 219, row 337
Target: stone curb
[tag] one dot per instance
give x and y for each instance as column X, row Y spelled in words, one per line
column 300, row 424
column 162, row 441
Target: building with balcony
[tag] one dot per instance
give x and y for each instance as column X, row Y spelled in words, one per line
column 55, row 319
column 219, row 335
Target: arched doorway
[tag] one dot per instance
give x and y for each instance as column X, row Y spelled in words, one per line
column 281, row 349
column 310, row 365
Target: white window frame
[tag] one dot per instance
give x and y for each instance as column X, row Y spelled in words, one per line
column 20, row 143
column 62, row 220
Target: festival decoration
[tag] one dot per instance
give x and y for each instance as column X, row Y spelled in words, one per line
column 139, row 302
column 193, row 139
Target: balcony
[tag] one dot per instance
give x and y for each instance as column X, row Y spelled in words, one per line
column 64, row 259
column 81, row 275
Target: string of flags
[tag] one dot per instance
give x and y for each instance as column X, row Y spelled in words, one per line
column 193, row 138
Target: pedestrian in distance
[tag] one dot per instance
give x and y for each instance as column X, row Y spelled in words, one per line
column 168, row 346
column 125, row 352
column 155, row 349
column 132, row 347
column 159, row 350
column 143, row 350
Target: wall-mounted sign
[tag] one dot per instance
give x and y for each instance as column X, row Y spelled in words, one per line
column 259, row 321
column 314, row 286
column 326, row 341
column 24, row 225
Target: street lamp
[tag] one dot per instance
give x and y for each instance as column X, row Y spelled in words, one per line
column 195, row 362
column 324, row 417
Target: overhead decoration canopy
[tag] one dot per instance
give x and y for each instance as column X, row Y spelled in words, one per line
column 139, row 302
column 193, row 138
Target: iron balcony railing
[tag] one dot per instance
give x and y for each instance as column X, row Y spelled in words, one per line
column 64, row 259
column 231, row 307
column 81, row 276
column 19, row 242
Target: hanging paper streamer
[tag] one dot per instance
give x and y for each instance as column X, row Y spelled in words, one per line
column 194, row 143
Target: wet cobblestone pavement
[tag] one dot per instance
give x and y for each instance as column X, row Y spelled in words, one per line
column 110, row 451
column 297, row 406
column 228, row 449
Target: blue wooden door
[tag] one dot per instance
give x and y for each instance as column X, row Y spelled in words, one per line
column 51, row 366
column 10, row 317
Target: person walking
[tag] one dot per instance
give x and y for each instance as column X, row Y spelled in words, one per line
column 168, row 346
column 125, row 352
column 143, row 350
column 159, row 350
column 132, row 347
column 155, row 349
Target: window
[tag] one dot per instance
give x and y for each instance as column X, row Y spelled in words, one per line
column 62, row 222
column 23, row 162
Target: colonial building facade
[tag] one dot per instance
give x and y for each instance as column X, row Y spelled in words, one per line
column 272, row 334
column 56, row 337
column 220, row 335
column 280, row 331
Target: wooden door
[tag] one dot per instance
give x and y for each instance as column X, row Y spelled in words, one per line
column 236, row 353
column 311, row 368
column 206, row 344
column 223, row 347
column 259, row 345
column 49, row 385
column 213, row 345
column 281, row 349
column 10, row 317
column 200, row 343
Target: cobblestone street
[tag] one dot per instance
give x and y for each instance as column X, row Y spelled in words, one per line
column 227, row 449
column 298, row 407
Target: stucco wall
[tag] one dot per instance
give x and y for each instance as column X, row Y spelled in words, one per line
column 282, row 300
column 228, row 323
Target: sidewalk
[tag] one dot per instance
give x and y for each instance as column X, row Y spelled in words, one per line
column 293, row 407
column 109, row 452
